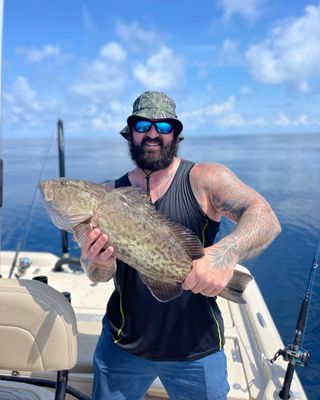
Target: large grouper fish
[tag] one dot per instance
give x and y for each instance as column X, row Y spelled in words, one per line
column 159, row 249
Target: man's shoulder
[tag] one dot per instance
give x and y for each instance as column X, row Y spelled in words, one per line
column 211, row 167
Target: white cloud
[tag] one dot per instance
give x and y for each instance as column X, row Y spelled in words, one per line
column 214, row 109
column 237, row 120
column 162, row 70
column 87, row 19
column 22, row 106
column 111, row 117
column 137, row 38
column 229, row 54
column 284, row 120
column 291, row 53
column 105, row 77
column 35, row 55
column 207, row 114
column 246, row 91
column 113, row 52
column 246, row 8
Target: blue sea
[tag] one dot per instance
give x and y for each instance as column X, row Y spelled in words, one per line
column 285, row 169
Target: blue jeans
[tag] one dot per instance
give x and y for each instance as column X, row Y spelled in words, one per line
column 119, row 375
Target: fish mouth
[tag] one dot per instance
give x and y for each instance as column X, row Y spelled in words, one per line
column 46, row 190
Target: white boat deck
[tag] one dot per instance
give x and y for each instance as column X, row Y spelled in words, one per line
column 251, row 336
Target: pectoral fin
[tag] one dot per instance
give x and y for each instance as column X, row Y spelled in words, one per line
column 81, row 232
column 162, row 291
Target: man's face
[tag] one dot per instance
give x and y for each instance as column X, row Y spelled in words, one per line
column 152, row 150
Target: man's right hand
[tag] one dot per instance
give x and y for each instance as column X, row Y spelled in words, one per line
column 96, row 248
column 97, row 257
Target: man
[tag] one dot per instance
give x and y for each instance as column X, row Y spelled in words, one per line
column 180, row 341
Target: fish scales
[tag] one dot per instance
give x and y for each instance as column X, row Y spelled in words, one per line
column 141, row 241
column 159, row 249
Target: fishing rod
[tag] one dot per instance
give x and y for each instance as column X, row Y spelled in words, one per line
column 294, row 354
column 62, row 174
column 65, row 259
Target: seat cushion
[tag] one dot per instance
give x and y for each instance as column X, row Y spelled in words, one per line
column 23, row 391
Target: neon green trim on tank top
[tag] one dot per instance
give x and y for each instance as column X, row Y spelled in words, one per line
column 217, row 325
column 123, row 321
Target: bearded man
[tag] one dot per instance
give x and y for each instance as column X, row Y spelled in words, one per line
column 180, row 341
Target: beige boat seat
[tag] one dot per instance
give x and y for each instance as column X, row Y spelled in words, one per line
column 38, row 332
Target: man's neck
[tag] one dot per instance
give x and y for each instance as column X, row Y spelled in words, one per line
column 159, row 180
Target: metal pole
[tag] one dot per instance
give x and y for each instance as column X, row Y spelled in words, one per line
column 1, row 161
column 62, row 173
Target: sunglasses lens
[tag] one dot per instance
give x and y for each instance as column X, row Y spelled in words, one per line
column 164, row 127
column 142, row 126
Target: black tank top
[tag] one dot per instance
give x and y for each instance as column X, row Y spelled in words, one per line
column 185, row 328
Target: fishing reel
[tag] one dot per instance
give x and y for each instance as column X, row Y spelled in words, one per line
column 24, row 264
column 300, row 355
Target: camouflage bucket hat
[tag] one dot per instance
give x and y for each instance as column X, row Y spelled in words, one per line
column 154, row 105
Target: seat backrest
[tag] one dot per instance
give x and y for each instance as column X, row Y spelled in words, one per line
column 38, row 329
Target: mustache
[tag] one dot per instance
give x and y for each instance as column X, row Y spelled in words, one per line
column 156, row 140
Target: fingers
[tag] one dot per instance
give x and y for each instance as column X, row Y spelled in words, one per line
column 94, row 234
column 204, row 281
column 96, row 247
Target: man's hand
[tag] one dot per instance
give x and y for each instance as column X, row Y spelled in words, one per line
column 211, row 273
column 97, row 250
column 97, row 257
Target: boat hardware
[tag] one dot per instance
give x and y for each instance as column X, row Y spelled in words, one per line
column 294, row 354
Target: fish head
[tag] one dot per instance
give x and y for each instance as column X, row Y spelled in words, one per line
column 69, row 202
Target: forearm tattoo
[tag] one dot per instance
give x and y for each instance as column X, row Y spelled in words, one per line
column 255, row 230
column 257, row 225
column 97, row 273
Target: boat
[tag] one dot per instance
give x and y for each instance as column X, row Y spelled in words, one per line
column 251, row 335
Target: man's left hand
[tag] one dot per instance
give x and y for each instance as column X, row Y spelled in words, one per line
column 207, row 276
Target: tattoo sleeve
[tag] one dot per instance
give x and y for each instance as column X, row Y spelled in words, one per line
column 257, row 224
column 97, row 273
column 256, row 228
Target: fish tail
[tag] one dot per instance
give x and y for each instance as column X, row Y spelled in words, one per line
column 236, row 286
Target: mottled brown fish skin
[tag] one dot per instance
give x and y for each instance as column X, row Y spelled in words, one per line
column 160, row 250
column 141, row 237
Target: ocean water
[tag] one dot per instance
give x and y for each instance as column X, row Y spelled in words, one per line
column 285, row 169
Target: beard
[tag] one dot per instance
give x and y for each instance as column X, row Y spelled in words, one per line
column 151, row 160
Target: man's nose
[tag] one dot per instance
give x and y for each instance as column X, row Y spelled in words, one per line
column 152, row 133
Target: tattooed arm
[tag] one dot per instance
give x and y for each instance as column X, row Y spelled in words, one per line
column 220, row 193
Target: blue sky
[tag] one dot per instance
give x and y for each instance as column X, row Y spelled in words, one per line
column 232, row 66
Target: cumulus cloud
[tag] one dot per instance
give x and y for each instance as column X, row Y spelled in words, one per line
column 36, row 55
column 111, row 118
column 249, row 9
column 291, row 52
column 105, row 77
column 237, row 120
column 137, row 38
column 23, row 107
column 162, row 70
column 209, row 110
column 206, row 114
column 283, row 120
column 87, row 19
column 246, row 90
column 229, row 54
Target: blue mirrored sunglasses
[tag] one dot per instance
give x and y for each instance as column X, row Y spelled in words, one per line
column 143, row 126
